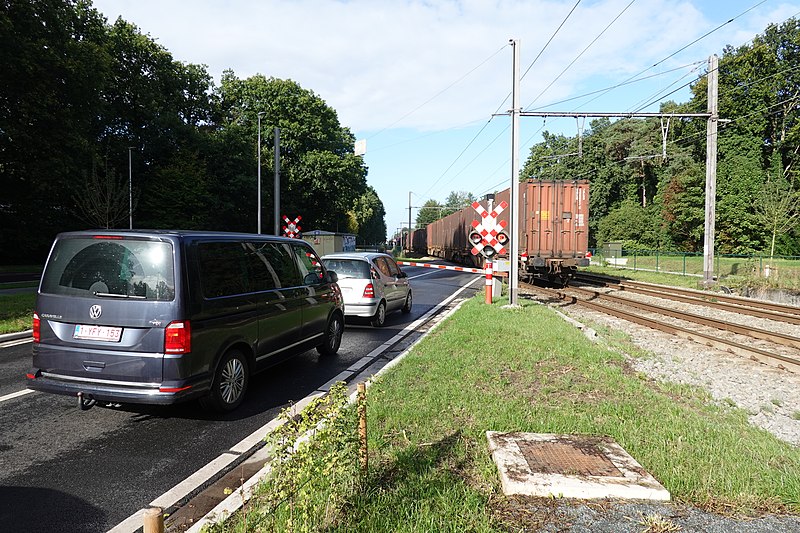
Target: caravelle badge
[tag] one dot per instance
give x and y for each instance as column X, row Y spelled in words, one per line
column 95, row 311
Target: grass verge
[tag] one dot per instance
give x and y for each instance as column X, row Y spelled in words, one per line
column 430, row 469
column 16, row 311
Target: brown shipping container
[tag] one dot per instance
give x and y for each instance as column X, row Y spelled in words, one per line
column 556, row 218
column 553, row 215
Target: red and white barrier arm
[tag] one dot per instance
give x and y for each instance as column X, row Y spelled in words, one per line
column 443, row 267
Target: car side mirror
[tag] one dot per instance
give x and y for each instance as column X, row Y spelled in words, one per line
column 402, row 275
column 333, row 277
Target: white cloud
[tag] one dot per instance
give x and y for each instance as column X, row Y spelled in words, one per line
column 376, row 61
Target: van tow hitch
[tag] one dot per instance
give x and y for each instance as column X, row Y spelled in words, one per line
column 85, row 403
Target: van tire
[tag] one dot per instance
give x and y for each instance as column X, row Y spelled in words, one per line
column 332, row 336
column 380, row 316
column 230, row 383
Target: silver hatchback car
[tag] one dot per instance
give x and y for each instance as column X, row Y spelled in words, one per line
column 372, row 284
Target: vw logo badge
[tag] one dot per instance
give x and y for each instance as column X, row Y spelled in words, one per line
column 95, row 311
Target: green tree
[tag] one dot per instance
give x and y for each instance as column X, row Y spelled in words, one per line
column 431, row 211
column 53, row 65
column 456, row 201
column 321, row 178
column 104, row 199
column 682, row 203
column 778, row 205
column 369, row 218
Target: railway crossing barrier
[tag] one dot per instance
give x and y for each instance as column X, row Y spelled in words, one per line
column 488, row 272
column 443, row 267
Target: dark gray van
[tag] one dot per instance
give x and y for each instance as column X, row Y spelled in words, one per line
column 159, row 317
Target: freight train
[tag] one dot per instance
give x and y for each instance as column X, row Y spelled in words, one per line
column 553, row 231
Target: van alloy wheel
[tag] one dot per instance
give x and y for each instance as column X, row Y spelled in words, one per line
column 231, row 386
column 230, row 383
column 333, row 336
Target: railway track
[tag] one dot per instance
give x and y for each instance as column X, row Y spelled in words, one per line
column 765, row 345
column 748, row 306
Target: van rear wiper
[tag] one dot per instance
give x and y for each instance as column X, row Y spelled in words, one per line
column 113, row 295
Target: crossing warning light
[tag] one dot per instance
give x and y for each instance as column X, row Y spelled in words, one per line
column 475, row 238
column 502, row 238
column 488, row 251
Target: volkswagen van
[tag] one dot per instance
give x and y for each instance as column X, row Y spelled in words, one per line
column 159, row 317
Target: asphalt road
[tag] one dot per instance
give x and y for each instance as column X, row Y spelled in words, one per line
column 62, row 469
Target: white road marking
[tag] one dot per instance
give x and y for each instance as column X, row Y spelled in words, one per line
column 15, row 395
column 9, row 344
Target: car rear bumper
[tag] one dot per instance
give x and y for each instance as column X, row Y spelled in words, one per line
column 166, row 393
column 365, row 310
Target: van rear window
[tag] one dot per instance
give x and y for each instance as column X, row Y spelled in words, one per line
column 127, row 268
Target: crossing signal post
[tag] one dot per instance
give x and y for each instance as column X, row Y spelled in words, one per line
column 488, row 238
column 292, row 227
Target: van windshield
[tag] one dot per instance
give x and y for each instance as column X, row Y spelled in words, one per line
column 118, row 268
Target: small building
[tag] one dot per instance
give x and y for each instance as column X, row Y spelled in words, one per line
column 328, row 242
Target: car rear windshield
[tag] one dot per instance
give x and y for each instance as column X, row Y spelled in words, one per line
column 113, row 268
column 348, row 268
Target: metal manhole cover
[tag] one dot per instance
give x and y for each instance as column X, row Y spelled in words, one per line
column 567, row 458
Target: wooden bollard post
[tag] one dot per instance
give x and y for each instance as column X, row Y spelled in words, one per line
column 154, row 520
column 362, row 426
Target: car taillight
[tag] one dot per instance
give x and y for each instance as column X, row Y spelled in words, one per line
column 37, row 335
column 369, row 291
column 178, row 337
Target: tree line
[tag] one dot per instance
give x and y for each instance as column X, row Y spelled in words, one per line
column 86, row 104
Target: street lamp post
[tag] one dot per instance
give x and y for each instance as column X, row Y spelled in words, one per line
column 130, row 189
column 260, row 114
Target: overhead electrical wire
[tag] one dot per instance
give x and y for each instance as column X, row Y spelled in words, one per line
column 501, row 105
column 661, row 61
column 429, row 100
column 606, row 89
column 686, row 138
column 633, row 79
column 660, row 94
column 583, row 52
column 673, row 54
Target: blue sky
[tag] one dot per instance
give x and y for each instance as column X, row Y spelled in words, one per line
column 420, row 80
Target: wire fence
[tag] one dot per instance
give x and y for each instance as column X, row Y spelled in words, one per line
column 781, row 270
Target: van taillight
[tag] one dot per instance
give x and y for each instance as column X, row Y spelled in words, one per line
column 178, row 337
column 37, row 335
column 369, row 291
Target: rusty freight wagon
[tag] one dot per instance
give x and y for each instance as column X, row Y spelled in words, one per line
column 419, row 241
column 553, row 230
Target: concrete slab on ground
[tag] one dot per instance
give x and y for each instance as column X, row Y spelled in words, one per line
column 570, row 466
